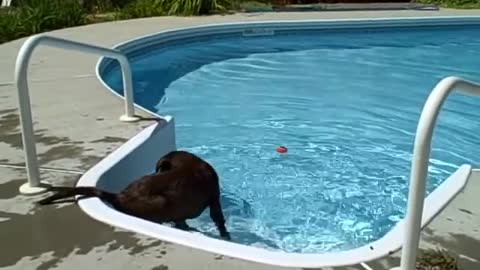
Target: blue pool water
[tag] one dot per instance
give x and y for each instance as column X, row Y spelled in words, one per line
column 345, row 104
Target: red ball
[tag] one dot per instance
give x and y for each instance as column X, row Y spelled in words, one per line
column 281, row 149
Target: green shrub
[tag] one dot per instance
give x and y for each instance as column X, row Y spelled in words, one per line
column 100, row 6
column 10, row 26
column 28, row 17
column 147, row 8
column 37, row 16
column 141, row 9
column 195, row 7
column 97, row 6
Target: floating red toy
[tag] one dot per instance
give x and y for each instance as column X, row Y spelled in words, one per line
column 281, row 149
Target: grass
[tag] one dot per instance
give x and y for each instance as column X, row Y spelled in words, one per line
column 436, row 260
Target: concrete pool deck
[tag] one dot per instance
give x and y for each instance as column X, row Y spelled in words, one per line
column 74, row 131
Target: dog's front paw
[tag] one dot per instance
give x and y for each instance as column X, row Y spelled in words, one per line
column 226, row 236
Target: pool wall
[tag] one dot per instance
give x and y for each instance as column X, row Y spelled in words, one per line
column 138, row 155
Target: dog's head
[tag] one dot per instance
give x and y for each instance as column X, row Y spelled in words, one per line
column 180, row 159
column 163, row 165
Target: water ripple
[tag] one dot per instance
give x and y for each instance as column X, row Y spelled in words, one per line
column 346, row 105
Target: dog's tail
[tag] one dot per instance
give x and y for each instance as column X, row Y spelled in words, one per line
column 65, row 192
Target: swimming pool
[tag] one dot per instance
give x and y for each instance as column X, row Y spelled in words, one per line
column 345, row 101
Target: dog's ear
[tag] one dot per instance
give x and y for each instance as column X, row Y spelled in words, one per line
column 163, row 165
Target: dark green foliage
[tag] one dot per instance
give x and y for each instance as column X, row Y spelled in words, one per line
column 100, row 6
column 10, row 27
column 195, row 7
column 141, row 9
column 44, row 15
column 30, row 17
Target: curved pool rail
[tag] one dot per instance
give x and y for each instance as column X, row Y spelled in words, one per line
column 420, row 210
column 421, row 156
column 34, row 186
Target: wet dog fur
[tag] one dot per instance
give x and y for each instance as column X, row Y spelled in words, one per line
column 181, row 188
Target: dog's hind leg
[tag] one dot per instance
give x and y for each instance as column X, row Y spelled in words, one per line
column 216, row 215
column 182, row 225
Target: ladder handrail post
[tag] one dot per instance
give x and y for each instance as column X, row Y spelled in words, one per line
column 420, row 161
column 34, row 185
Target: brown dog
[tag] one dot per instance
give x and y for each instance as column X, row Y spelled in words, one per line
column 181, row 188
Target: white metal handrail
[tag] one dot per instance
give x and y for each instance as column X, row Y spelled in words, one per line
column 421, row 156
column 34, row 185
